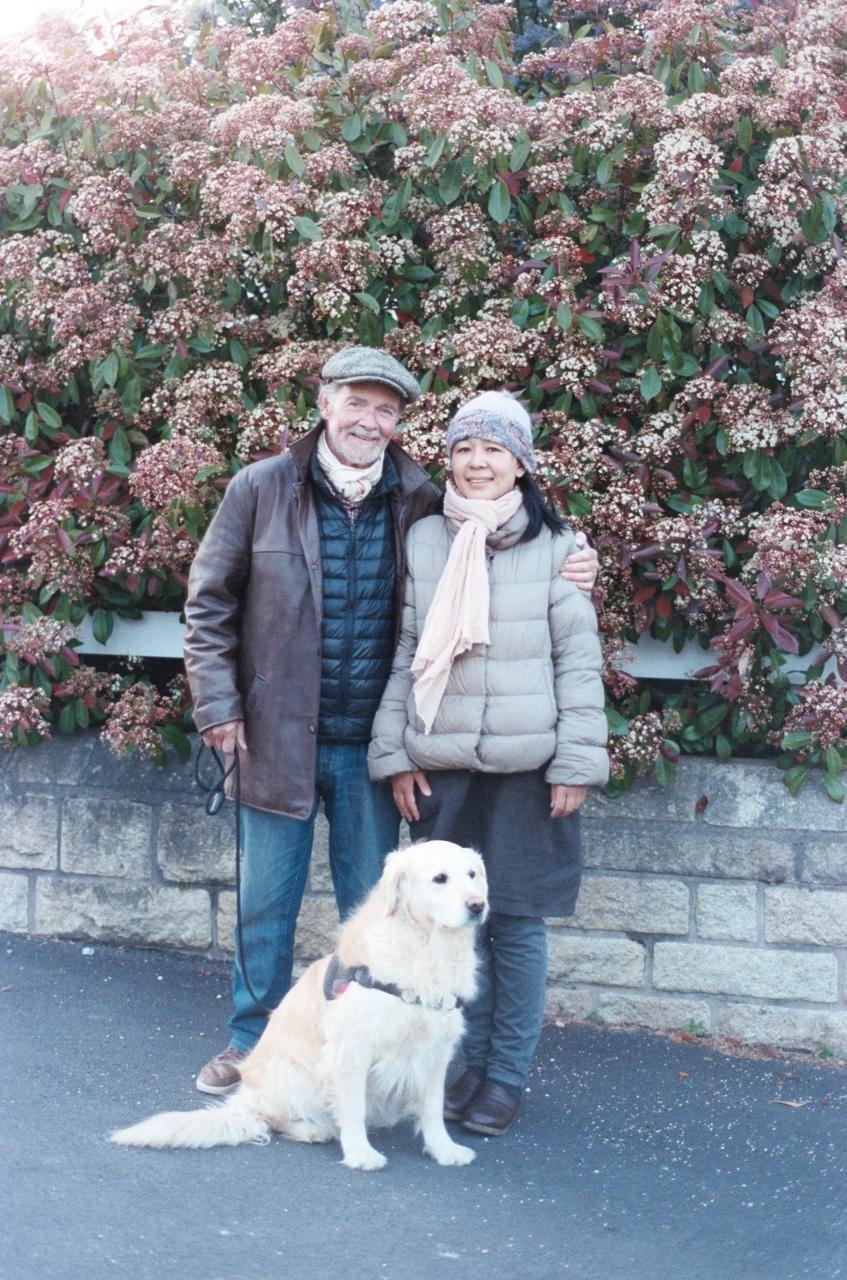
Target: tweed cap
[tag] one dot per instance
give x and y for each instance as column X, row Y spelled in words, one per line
column 369, row 364
column 495, row 416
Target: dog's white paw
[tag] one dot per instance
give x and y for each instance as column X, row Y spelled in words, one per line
column 366, row 1158
column 455, row 1153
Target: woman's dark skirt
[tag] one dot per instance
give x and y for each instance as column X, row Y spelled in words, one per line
column 533, row 861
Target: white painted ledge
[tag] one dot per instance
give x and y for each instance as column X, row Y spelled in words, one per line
column 159, row 635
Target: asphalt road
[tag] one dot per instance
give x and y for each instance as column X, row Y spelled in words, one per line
column 633, row 1157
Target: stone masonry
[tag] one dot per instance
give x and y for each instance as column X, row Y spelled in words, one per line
column 715, row 905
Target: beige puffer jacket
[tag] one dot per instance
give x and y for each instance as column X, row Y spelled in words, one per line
column 532, row 697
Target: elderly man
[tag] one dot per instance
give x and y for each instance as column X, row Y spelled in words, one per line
column 292, row 612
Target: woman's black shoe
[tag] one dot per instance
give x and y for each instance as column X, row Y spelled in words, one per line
column 461, row 1094
column 491, row 1111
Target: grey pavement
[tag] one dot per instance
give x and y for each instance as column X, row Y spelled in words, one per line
column 633, row 1156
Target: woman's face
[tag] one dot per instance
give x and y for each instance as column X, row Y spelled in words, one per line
column 483, row 469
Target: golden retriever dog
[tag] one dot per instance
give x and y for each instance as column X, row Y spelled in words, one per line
column 364, row 1038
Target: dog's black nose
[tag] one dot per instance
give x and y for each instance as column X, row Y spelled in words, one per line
column 476, row 907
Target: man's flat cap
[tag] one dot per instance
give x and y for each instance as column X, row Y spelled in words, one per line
column 369, row 364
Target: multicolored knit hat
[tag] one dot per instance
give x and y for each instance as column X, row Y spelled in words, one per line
column 495, row 416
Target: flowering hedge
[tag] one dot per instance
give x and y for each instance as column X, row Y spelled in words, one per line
column 634, row 223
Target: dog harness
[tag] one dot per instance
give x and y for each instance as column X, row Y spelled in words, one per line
column 338, row 978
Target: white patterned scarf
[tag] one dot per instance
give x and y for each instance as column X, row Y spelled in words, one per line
column 458, row 616
column 353, row 483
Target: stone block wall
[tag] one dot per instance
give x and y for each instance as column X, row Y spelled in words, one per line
column 717, row 904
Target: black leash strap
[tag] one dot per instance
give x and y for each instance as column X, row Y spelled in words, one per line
column 215, row 796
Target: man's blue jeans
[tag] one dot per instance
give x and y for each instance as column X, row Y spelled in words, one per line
column 364, row 826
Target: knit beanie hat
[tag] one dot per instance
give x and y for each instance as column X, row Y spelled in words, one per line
column 495, row 416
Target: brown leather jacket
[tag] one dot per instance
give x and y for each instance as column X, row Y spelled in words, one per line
column 252, row 644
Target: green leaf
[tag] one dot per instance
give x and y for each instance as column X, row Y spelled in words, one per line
column 294, row 160
column 795, row 777
column 351, row 129
column 102, row 622
column 655, row 342
column 650, row 384
column 796, row 741
column 833, row 760
column 120, row 449
column 48, row 414
column 81, row 713
column 495, row 75
column 367, row 300
column 663, row 771
column 520, row 313
column 706, row 300
column 723, row 747
column 179, row 741
column 591, row 328
column 755, row 319
column 499, row 201
column 238, row 354
column 605, row 169
column 709, row 720
column 451, row 182
column 7, row 405
column 435, row 151
column 67, row 719
column 109, row 369
column 520, row 153
column 131, row 397
column 618, row 724
column 817, row 499
column 744, row 132
column 696, row 79
column 564, row 315
column 835, row 787
column 307, row 228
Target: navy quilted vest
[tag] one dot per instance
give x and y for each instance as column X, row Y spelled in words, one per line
column 357, row 636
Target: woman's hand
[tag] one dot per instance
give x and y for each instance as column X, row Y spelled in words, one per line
column 581, row 566
column 403, row 789
column 563, row 800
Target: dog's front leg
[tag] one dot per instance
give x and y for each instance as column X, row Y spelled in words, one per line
column 350, row 1081
column 437, row 1141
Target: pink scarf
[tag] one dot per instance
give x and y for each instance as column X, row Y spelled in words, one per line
column 458, row 616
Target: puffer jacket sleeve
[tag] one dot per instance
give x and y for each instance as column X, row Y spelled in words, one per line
column 216, row 584
column 387, row 752
column 581, row 758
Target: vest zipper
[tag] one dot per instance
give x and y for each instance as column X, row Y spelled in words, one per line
column 352, row 592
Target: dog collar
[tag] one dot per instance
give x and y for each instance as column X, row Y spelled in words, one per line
column 338, row 978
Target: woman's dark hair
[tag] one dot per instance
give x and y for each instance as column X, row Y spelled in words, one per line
column 539, row 512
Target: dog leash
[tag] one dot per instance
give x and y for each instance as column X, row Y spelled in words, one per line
column 215, row 796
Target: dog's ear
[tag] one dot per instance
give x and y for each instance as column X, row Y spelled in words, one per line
column 394, row 881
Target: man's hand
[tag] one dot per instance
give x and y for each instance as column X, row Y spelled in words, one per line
column 565, row 800
column 226, row 737
column 403, row 789
column 581, row 566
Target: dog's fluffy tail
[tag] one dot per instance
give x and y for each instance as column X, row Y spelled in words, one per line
column 225, row 1124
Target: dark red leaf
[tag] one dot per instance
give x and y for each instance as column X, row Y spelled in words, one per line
column 786, row 641
column 780, row 600
column 737, row 591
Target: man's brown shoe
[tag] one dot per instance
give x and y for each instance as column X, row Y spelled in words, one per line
column 220, row 1074
column 460, row 1094
column 491, row 1111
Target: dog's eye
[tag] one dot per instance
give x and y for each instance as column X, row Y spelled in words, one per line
column 471, row 874
column 441, row 878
